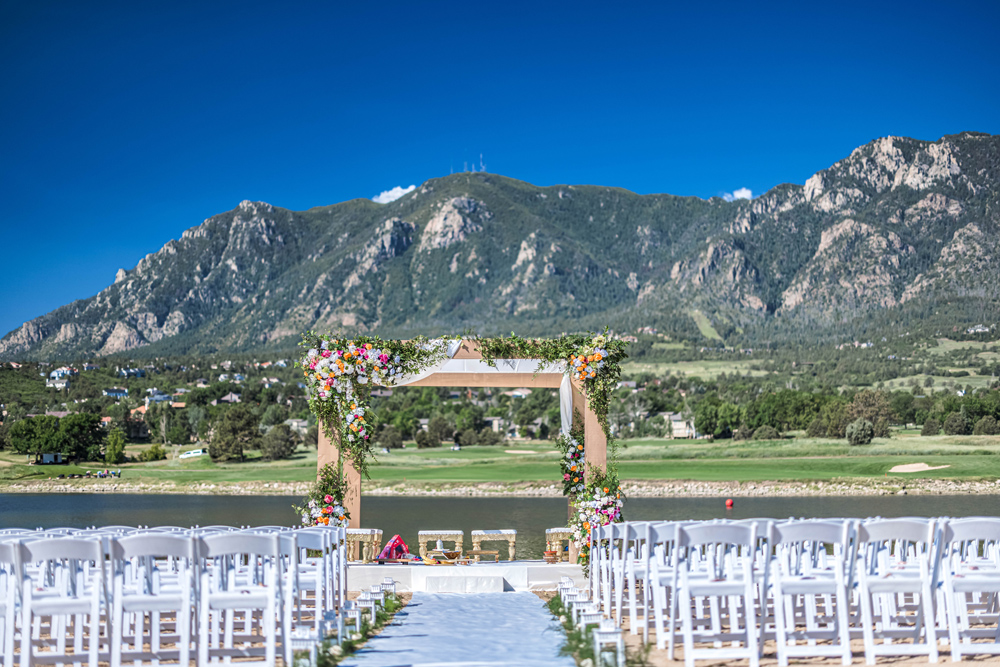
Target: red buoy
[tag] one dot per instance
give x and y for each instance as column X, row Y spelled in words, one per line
column 729, row 503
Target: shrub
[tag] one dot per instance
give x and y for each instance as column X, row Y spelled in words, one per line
column 860, row 432
column 744, row 432
column 154, row 453
column 468, row 437
column 956, row 424
column 766, row 432
column 986, row 426
column 816, row 428
column 931, row 427
column 424, row 440
column 489, row 437
column 389, row 437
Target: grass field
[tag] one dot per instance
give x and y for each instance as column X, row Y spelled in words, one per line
column 706, row 370
column 705, row 325
column 969, row 457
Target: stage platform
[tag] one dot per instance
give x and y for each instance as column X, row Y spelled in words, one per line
column 519, row 575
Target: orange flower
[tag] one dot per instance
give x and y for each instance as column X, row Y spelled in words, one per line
column 590, row 357
column 580, row 447
column 598, row 356
column 586, row 524
column 605, row 489
column 573, row 468
column 368, row 346
column 576, row 479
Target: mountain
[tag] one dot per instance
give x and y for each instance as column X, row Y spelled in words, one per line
column 900, row 230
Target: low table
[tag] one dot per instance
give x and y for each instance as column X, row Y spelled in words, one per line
column 456, row 537
column 366, row 540
column 554, row 538
column 507, row 535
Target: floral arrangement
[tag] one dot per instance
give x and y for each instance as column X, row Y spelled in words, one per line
column 324, row 506
column 573, row 460
column 339, row 374
column 599, row 504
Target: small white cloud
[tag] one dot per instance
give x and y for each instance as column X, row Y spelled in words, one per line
column 396, row 193
column 740, row 193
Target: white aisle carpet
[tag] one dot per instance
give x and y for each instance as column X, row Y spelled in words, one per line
column 467, row 630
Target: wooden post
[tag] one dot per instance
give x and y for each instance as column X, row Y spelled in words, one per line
column 329, row 453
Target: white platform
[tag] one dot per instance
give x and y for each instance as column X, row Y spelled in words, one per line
column 519, row 575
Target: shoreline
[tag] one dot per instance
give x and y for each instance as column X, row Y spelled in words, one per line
column 631, row 488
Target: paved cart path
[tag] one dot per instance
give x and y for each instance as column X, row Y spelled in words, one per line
column 467, row 630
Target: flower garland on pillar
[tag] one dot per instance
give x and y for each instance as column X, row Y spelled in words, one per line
column 594, row 361
column 339, row 374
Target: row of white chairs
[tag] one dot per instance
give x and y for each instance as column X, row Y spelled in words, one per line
column 124, row 594
column 903, row 586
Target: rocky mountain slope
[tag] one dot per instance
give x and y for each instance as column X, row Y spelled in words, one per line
column 898, row 226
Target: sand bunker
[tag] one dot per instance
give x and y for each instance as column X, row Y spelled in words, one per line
column 520, row 451
column 916, row 467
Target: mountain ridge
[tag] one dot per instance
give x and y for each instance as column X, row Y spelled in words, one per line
column 896, row 226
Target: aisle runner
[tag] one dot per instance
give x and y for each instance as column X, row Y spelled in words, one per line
column 470, row 630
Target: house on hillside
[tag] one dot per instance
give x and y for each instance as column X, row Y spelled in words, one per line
column 137, row 428
column 57, row 383
column 116, row 392
column 521, row 392
column 228, row 398
column 680, row 426
column 91, row 367
column 106, row 422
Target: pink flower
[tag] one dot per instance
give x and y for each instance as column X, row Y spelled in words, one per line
column 566, row 477
column 327, row 499
column 326, row 353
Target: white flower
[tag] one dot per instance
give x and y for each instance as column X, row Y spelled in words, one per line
column 325, row 345
column 362, row 379
column 312, row 353
column 396, row 359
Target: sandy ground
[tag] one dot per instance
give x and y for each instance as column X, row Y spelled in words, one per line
column 916, row 467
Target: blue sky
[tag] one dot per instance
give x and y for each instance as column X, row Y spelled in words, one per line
column 124, row 124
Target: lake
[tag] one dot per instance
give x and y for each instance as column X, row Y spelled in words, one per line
column 406, row 515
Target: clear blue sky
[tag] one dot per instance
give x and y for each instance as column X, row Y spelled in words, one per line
column 125, row 123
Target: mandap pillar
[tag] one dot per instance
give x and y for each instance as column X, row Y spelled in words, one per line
column 595, row 443
column 328, row 452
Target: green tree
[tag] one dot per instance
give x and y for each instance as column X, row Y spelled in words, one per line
column 766, row 432
column 37, row 435
column 178, row 434
column 440, row 430
column 235, row 433
column 114, row 447
column 424, row 440
column 275, row 414
column 956, row 424
column 816, row 428
column 279, row 443
column 860, row 432
column 931, row 427
column 871, row 406
column 986, row 426
column 83, row 436
column 389, row 437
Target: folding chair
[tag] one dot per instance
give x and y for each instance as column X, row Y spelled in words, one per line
column 971, row 581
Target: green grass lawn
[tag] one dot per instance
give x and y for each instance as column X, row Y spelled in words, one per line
column 801, row 458
column 705, row 325
column 706, row 369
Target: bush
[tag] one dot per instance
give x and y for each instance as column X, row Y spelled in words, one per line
column 766, row 432
column 816, row 428
column 744, row 432
column 154, row 453
column 468, row 438
column 860, row 432
column 986, row 426
column 424, row 440
column 489, row 438
column 931, row 427
column 956, row 424
column 389, row 437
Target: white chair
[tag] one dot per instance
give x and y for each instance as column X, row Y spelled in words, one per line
column 69, row 585
column 717, row 564
column 608, row 634
column 10, row 581
column 810, row 589
column 896, row 582
column 971, row 580
column 154, row 574
column 241, row 573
